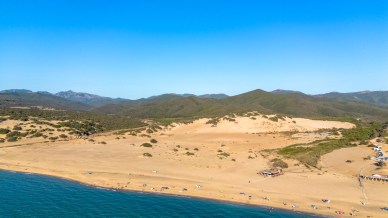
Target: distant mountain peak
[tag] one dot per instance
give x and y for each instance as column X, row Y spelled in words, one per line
column 283, row 91
column 87, row 98
column 215, row 96
column 74, row 95
column 364, row 92
column 172, row 95
column 16, row 91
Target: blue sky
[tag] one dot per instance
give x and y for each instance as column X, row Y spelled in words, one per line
column 141, row 48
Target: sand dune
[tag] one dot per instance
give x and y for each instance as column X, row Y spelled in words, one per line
column 223, row 160
column 259, row 124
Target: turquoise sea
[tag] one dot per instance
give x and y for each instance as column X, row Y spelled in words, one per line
column 31, row 195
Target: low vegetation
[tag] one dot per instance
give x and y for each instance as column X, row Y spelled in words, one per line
column 53, row 138
column 310, row 153
column 279, row 163
column 276, row 118
column 146, row 145
column 4, row 131
column 17, row 128
column 222, row 154
column 63, row 136
column 83, row 121
column 12, row 139
column 213, row 121
column 147, row 155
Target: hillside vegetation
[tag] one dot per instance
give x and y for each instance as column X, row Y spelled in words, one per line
column 189, row 106
column 310, row 154
column 75, row 118
column 43, row 99
column 377, row 97
column 172, row 106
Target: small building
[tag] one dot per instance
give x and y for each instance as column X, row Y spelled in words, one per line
column 271, row 172
column 382, row 159
column 376, row 176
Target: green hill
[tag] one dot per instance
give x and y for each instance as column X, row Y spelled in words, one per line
column 90, row 99
column 27, row 98
column 188, row 106
column 172, row 106
column 377, row 97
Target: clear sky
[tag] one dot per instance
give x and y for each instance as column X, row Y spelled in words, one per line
column 141, row 48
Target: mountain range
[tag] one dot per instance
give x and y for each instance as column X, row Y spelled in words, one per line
column 360, row 104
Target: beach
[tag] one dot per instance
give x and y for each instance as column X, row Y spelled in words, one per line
column 216, row 162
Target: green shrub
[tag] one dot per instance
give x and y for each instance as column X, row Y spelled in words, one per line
column 223, row 154
column 147, row 145
column 274, row 119
column 63, row 136
column 38, row 134
column 17, row 128
column 4, row 131
column 32, row 132
column 14, row 134
column 53, row 138
column 189, row 153
column 213, row 121
column 279, row 163
column 2, row 140
column 153, row 141
column 12, row 139
column 147, row 155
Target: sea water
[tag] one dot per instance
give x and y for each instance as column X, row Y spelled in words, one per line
column 32, row 195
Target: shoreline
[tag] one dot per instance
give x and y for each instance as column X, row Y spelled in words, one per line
column 168, row 194
column 213, row 190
